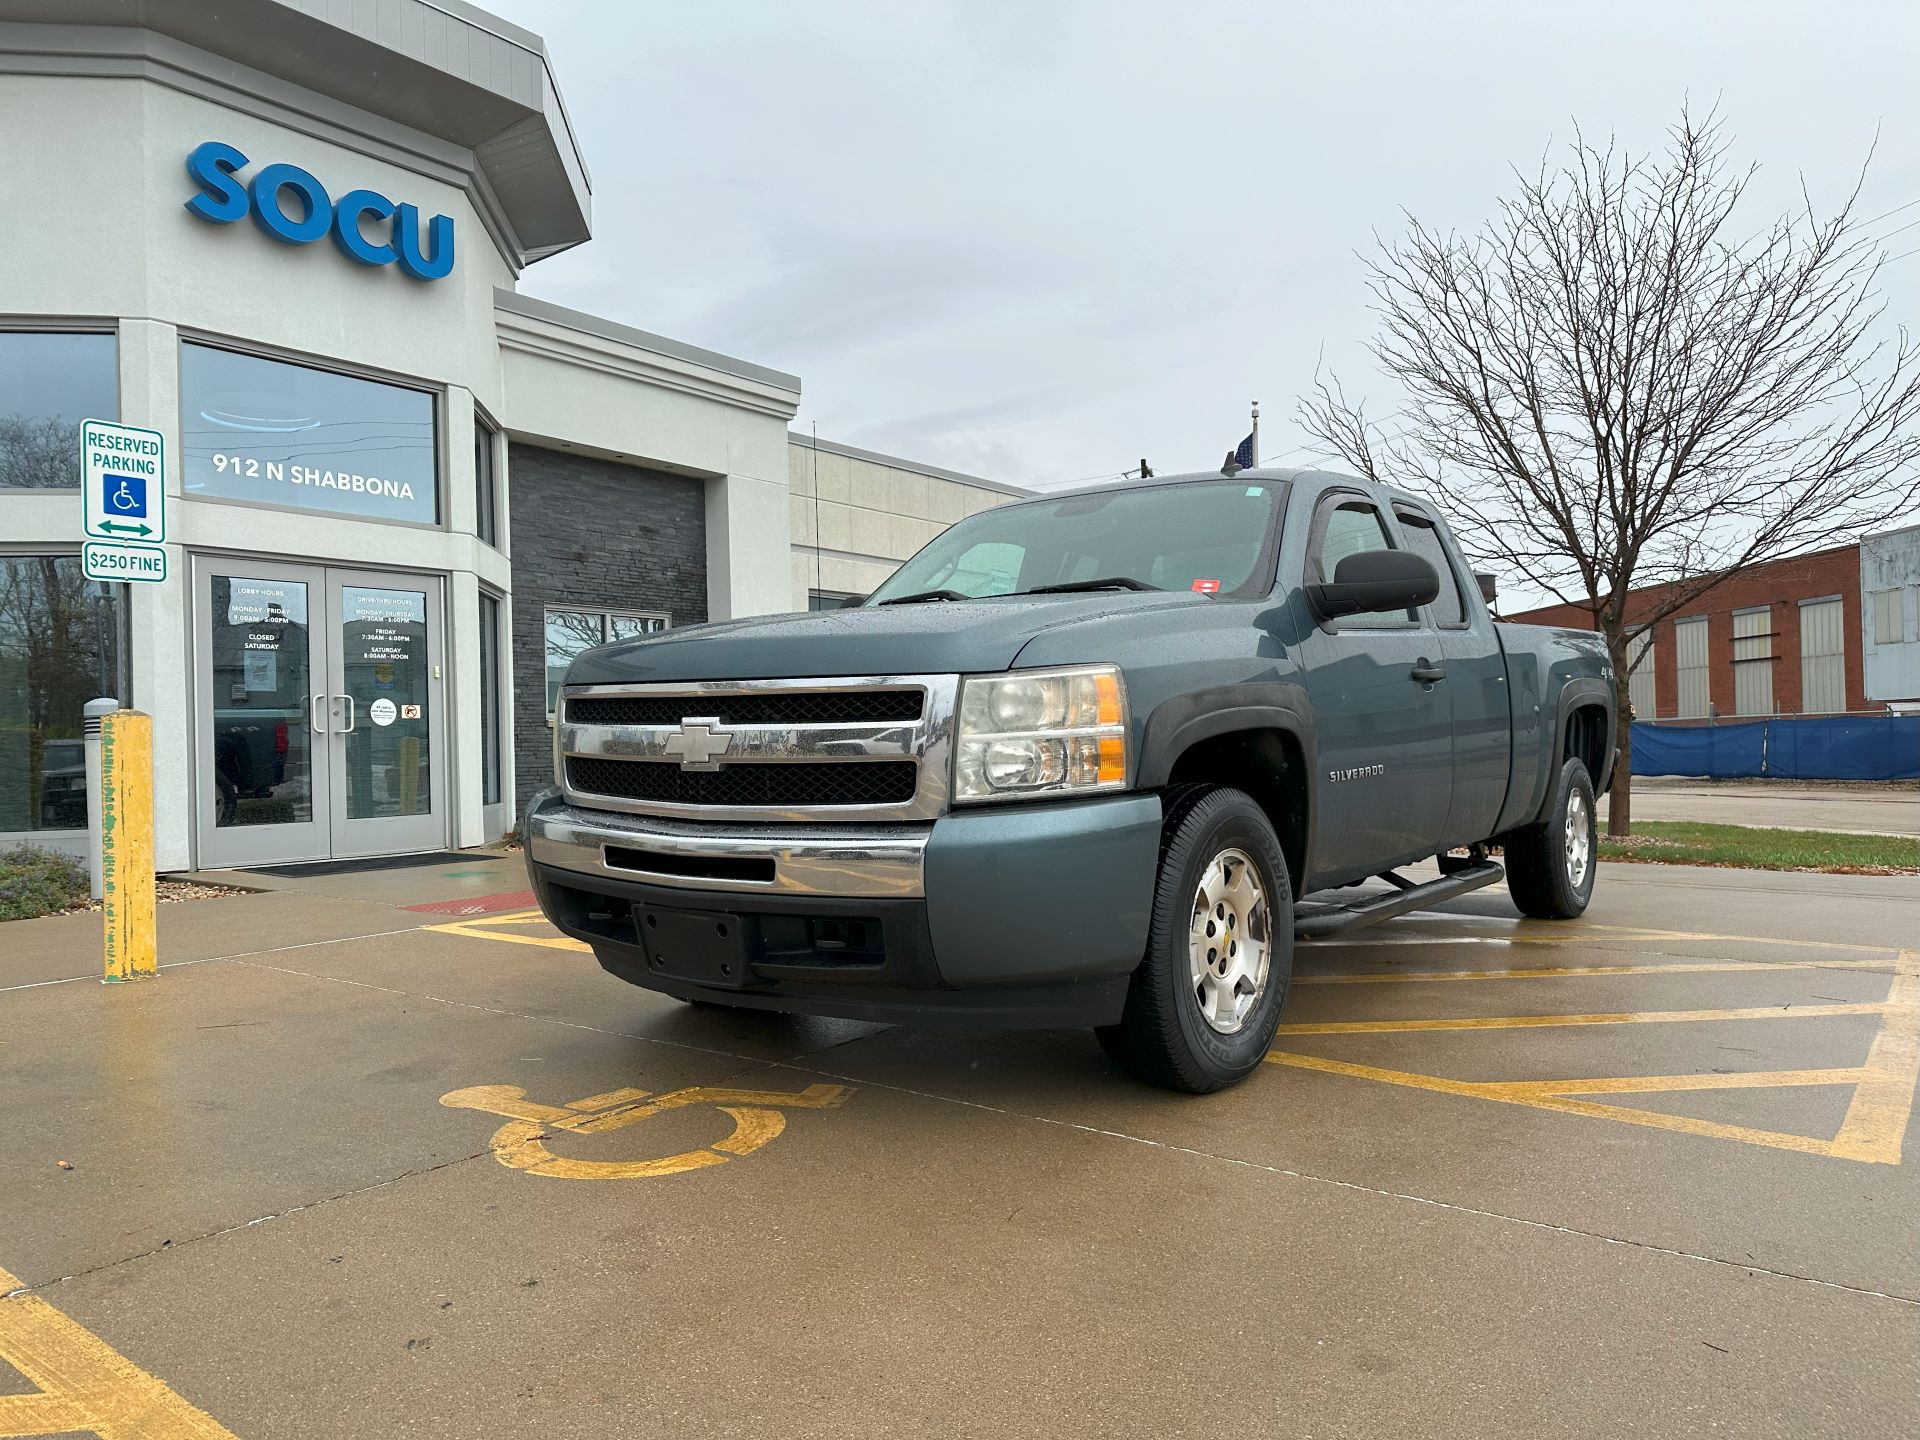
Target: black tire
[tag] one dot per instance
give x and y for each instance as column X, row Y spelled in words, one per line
column 1163, row 1037
column 1548, row 879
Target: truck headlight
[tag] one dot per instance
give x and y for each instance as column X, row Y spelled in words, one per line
column 1040, row 732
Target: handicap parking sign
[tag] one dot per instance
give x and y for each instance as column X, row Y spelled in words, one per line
column 126, row 495
column 123, row 483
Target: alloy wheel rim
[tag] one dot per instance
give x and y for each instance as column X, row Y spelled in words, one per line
column 1229, row 941
column 1579, row 840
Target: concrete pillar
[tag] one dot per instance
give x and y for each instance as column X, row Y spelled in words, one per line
column 161, row 648
column 750, row 527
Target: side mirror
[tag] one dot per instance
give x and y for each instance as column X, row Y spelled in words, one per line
column 1375, row 581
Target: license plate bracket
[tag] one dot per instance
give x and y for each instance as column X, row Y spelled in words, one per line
column 707, row 947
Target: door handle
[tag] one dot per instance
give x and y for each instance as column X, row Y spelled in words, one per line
column 349, row 727
column 1426, row 671
column 313, row 714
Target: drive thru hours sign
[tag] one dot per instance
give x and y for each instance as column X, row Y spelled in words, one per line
column 123, row 480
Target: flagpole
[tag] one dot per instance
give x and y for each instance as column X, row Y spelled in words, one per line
column 1256, row 433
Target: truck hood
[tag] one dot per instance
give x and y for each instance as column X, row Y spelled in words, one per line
column 932, row 638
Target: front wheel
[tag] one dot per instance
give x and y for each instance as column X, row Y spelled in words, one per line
column 1202, row 1007
column 1550, row 866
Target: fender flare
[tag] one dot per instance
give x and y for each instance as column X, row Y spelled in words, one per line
column 1178, row 724
column 1576, row 693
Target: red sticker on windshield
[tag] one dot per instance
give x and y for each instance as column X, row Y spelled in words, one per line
column 1207, row 587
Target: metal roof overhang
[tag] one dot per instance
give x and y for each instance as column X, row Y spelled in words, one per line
column 439, row 67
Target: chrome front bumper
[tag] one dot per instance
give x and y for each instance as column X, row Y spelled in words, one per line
column 866, row 860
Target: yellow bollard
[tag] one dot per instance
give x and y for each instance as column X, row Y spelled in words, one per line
column 126, row 844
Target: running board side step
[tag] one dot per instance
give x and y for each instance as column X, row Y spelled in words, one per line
column 1322, row 921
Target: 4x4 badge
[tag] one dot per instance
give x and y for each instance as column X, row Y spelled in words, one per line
column 697, row 745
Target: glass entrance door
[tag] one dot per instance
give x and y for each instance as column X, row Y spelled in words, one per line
column 389, row 771
column 318, row 728
column 261, row 722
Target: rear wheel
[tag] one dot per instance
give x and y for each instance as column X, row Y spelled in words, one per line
column 1202, row 1007
column 1550, row 866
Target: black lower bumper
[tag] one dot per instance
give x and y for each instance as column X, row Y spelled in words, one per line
column 853, row 958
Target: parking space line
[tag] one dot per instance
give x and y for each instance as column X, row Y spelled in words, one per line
column 1872, row 1131
column 1547, row 972
column 83, row 1384
column 483, row 929
column 1877, row 1118
column 1524, row 1093
column 1622, row 1017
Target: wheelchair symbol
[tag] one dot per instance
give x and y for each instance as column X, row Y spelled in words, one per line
column 127, row 495
column 518, row 1144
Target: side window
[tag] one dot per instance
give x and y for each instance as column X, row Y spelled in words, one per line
column 1449, row 606
column 1348, row 527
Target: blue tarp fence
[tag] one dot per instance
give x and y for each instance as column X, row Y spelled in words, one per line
column 1835, row 747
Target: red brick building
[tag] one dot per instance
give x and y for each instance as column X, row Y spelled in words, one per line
column 1782, row 638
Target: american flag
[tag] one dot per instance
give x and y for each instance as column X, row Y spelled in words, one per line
column 1243, row 457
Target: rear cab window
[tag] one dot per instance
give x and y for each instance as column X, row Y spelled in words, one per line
column 1348, row 523
column 1450, row 608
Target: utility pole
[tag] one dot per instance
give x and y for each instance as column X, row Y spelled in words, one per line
column 1256, row 433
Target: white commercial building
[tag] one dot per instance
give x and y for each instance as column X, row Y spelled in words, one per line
column 400, row 494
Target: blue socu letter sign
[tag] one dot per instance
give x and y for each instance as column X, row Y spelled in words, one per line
column 294, row 208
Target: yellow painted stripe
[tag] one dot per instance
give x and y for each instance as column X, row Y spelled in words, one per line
column 1876, row 1121
column 1549, row 972
column 1706, row 1080
column 1635, row 932
column 1527, row 1022
column 1510, row 1094
column 548, row 942
column 83, row 1384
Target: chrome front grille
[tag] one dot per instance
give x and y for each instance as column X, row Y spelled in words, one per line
column 829, row 749
column 886, row 782
column 797, row 707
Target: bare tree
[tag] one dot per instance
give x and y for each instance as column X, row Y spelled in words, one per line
column 1616, row 385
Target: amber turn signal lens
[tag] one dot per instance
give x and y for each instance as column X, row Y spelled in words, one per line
column 1113, row 756
column 1108, row 688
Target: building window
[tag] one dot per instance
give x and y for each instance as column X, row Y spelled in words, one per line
column 1889, row 625
column 276, row 433
column 489, row 699
column 1753, row 661
column 48, row 384
column 59, row 648
column 1690, row 662
column 572, row 632
column 1823, row 663
column 486, row 499
column 1640, row 690
column 831, row 600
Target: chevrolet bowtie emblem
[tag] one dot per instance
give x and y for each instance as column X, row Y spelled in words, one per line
column 697, row 745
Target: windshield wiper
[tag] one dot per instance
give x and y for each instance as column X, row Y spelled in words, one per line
column 919, row 595
column 1111, row 582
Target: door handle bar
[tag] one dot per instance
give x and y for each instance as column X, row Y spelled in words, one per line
column 350, row 713
column 1426, row 673
column 313, row 714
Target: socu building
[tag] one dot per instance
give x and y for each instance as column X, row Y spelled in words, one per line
column 401, row 495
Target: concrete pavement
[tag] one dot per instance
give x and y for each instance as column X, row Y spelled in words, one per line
column 1893, row 809
column 292, row 1207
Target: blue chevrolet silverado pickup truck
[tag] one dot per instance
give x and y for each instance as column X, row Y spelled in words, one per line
column 1089, row 759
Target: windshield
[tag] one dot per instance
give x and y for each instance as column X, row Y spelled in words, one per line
column 1209, row 536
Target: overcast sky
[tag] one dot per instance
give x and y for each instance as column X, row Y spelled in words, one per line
column 1038, row 241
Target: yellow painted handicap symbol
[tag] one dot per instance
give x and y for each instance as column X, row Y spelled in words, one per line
column 757, row 1117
